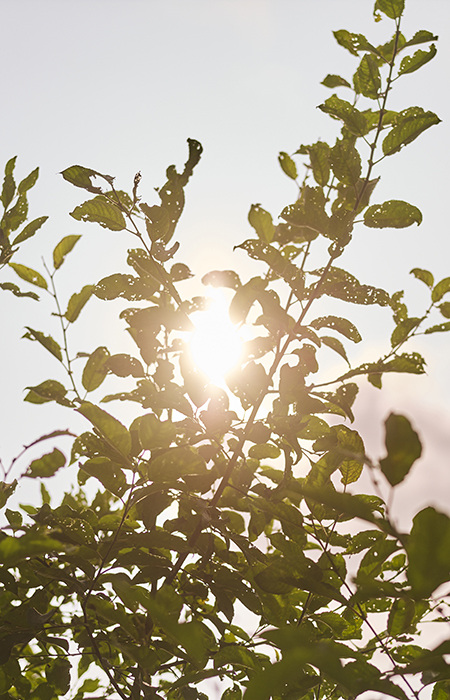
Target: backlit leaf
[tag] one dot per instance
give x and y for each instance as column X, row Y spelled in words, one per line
column 423, row 275
column 392, row 214
column 100, row 211
column 10, row 287
column 440, row 289
column 335, row 345
column 29, row 230
column 47, row 465
column 428, row 549
column 410, row 64
column 409, row 124
column 346, row 162
column 96, row 369
column 401, row 616
column 63, row 248
column 288, row 165
column 342, row 285
column 403, row 329
column 126, row 286
column 333, row 81
column 341, row 325
column 77, row 302
column 9, row 186
column 367, row 80
column 262, row 222
column 421, row 37
column 46, row 341
column 80, row 176
column 403, row 448
column 439, row 328
column 50, row 390
column 353, row 119
column 123, row 365
column 30, row 545
column 28, row 182
column 222, row 278
column 108, row 426
column 29, row 275
column 391, row 8
column 107, row 472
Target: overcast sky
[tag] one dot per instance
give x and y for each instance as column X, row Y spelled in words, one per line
column 119, row 85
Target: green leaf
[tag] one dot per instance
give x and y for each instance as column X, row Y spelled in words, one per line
column 100, row 211
column 154, row 433
column 333, row 81
column 222, row 278
column 423, row 275
column 403, row 449
column 421, row 37
column 401, row 616
column 320, row 155
column 80, row 176
column 63, row 248
column 31, row 545
column 29, row 275
column 445, row 309
column 336, row 345
column 124, row 366
column 410, row 64
column 403, row 329
column 391, row 8
column 29, row 230
column 47, row 465
column 439, row 328
column 57, row 673
column 409, row 124
column 110, row 428
column 341, row 325
column 9, row 186
column 392, row 214
column 15, row 216
column 367, row 80
column 428, row 548
column 264, row 451
column 262, row 222
column 28, row 182
column 440, row 289
column 96, row 369
column 341, row 284
column 77, row 301
column 352, row 42
column 45, row 340
column 346, row 162
column 126, row 286
column 10, row 287
column 50, row 390
column 353, row 119
column 288, row 166
column 108, row 473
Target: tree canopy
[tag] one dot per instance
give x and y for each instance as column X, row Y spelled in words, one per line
column 219, row 543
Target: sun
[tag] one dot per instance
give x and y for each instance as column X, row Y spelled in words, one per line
column 216, row 344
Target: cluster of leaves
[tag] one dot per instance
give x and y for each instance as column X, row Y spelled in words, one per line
column 214, row 502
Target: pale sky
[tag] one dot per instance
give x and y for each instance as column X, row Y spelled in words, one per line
column 119, row 85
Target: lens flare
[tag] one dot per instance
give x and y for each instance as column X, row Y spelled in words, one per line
column 216, row 345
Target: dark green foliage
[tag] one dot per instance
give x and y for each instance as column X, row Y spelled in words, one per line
column 207, row 503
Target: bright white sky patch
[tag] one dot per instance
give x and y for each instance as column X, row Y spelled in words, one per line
column 216, row 344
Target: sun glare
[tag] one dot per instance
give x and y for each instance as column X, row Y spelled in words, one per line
column 216, row 345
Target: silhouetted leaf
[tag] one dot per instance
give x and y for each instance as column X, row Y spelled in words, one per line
column 50, row 390
column 403, row 449
column 392, row 214
column 123, row 365
column 29, row 275
column 342, row 285
column 222, row 278
column 335, row 345
column 63, row 248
